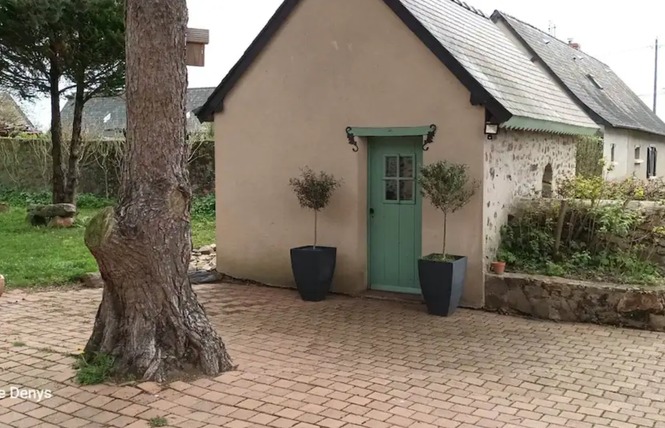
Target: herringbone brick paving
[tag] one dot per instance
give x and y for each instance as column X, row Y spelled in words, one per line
column 345, row 362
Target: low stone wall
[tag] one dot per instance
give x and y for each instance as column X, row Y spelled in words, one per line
column 569, row 300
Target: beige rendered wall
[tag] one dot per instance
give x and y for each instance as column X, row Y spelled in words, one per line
column 626, row 141
column 335, row 64
column 623, row 165
column 515, row 163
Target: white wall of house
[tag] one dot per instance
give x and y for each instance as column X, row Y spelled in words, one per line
column 515, row 164
column 630, row 153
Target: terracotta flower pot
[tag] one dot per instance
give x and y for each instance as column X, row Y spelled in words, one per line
column 499, row 267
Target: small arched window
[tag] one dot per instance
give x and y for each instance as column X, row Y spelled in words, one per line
column 547, row 181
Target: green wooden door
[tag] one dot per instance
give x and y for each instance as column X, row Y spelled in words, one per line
column 394, row 213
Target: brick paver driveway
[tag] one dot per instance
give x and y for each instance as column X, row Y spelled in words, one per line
column 343, row 363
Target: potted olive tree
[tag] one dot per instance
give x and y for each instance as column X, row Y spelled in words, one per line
column 313, row 266
column 448, row 188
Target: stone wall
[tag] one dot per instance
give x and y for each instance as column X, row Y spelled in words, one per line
column 569, row 300
column 26, row 165
column 515, row 167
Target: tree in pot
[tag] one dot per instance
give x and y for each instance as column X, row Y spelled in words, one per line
column 448, row 187
column 314, row 265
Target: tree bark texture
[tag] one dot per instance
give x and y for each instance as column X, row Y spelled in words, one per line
column 75, row 145
column 58, row 179
column 149, row 318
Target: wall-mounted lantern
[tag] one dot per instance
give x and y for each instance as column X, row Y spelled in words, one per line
column 491, row 129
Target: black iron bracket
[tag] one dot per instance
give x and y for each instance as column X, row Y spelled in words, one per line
column 430, row 137
column 351, row 138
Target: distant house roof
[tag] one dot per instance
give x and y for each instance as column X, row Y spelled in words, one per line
column 594, row 86
column 499, row 76
column 12, row 117
column 107, row 116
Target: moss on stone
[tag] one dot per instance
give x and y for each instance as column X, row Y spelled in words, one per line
column 99, row 228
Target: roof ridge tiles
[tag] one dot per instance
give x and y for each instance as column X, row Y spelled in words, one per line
column 469, row 8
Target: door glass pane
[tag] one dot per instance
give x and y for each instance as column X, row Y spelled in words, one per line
column 391, row 166
column 406, row 166
column 406, row 190
column 391, row 190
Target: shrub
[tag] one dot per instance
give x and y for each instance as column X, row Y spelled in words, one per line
column 590, row 157
column 89, row 201
column 596, row 241
column 449, row 188
column 204, row 206
column 314, row 191
column 23, row 199
column 597, row 188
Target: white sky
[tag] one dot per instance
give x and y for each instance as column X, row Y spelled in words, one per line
column 619, row 33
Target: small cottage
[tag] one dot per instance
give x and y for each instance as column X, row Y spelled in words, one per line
column 633, row 134
column 13, row 119
column 356, row 87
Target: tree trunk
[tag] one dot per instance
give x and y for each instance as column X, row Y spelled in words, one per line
column 445, row 233
column 58, row 176
column 563, row 210
column 75, row 145
column 149, row 318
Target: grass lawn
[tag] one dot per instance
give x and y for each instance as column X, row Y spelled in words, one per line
column 40, row 256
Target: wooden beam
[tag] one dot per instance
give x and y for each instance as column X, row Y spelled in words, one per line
column 198, row 35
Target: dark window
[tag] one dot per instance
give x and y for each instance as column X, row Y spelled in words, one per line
column 406, row 190
column 547, row 182
column 391, row 190
column 391, row 166
column 612, row 153
column 652, row 155
column 399, row 179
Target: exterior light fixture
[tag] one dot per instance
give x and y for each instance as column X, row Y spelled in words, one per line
column 491, row 129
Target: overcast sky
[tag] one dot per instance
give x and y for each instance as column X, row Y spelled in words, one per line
column 621, row 34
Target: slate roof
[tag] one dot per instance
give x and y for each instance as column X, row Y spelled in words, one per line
column 106, row 117
column 496, row 63
column 613, row 103
column 12, row 117
column 499, row 76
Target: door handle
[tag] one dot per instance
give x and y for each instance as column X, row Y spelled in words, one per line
column 371, row 212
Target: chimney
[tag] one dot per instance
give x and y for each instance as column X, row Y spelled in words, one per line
column 574, row 45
